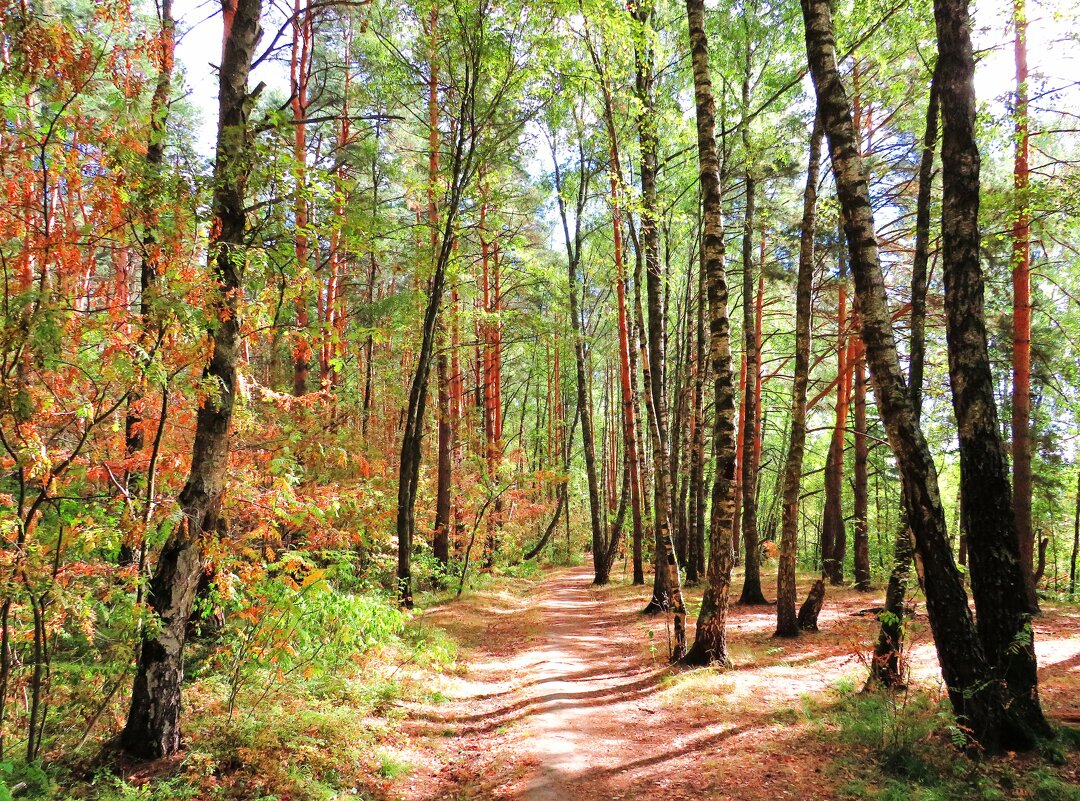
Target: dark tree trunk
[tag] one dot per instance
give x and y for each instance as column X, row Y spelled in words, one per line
column 811, row 607
column 1076, row 541
column 861, row 538
column 997, row 578
column 833, row 538
column 654, row 280
column 786, row 623
column 440, row 544
column 584, row 403
column 134, row 434
column 887, row 668
column 975, row 695
column 153, row 723
column 751, row 589
column 710, row 642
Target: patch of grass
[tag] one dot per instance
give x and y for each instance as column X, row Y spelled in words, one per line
column 392, row 766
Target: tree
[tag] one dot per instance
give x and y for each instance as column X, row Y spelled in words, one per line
column 997, row 578
column 666, row 561
column 153, row 722
column 976, row 697
column 710, row 642
column 786, row 623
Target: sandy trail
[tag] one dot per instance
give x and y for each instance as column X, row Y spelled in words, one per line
column 566, row 695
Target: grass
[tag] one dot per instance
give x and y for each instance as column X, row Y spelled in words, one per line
column 902, row 747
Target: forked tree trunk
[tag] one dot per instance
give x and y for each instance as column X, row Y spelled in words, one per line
column 976, row 697
column 153, row 723
column 710, row 642
column 786, row 622
column 997, row 576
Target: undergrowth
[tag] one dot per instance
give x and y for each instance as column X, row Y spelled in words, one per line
column 297, row 698
column 902, row 746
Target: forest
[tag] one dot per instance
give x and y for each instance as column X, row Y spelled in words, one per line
column 430, row 400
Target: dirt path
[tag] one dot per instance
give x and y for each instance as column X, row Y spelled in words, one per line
column 567, row 696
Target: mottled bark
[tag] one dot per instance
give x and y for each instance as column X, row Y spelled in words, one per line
column 153, row 723
column 976, row 698
column 710, row 643
column 786, row 623
column 997, row 578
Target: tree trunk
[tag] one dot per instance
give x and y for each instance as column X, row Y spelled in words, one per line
column 786, row 622
column 134, row 434
column 710, row 642
column 584, row 405
column 153, row 723
column 861, row 537
column 997, row 576
column 751, row 589
column 976, row 698
column 1076, row 542
column 299, row 73
column 654, row 280
column 811, row 607
column 1021, row 344
column 832, row 524
column 440, row 544
column 887, row 668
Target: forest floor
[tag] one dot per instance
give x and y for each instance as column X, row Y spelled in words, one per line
column 564, row 692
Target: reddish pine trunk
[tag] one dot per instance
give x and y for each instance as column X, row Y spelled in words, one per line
column 1021, row 346
column 299, row 74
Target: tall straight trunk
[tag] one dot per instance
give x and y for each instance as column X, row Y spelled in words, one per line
column 625, row 383
column 627, row 365
column 832, row 523
column 574, row 243
column 997, row 574
column 440, row 543
column 654, row 280
column 751, row 589
column 1021, row 343
column 786, row 620
column 695, row 566
column 1076, row 541
column 588, row 438
column 976, row 697
column 459, row 174
column 710, row 642
column 887, row 668
column 299, row 74
column 152, row 729
column 860, row 536
column 736, row 518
